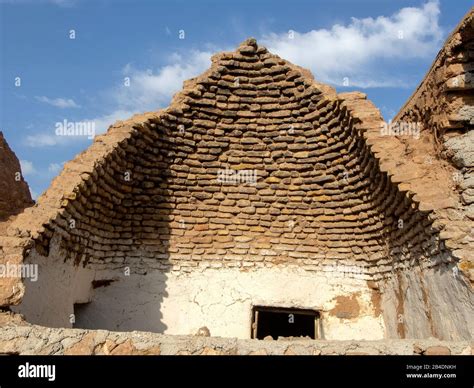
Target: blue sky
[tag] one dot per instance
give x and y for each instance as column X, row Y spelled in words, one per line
column 380, row 47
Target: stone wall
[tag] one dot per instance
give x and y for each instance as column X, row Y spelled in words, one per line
column 434, row 167
column 428, row 303
column 36, row 340
column 14, row 198
column 14, row 193
column 443, row 104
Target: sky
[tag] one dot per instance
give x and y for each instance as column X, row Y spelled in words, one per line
column 98, row 61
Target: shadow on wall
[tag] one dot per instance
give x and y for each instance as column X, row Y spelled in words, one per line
column 122, row 286
column 122, row 297
column 125, row 289
column 128, row 291
column 425, row 294
column 428, row 302
column 430, row 297
column 128, row 304
column 172, row 205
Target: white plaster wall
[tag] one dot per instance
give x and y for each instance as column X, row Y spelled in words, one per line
column 222, row 299
column 436, row 303
column 180, row 303
column 49, row 301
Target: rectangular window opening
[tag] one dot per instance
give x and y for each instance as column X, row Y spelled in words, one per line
column 285, row 322
column 80, row 315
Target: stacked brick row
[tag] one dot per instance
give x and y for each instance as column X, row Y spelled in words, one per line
column 319, row 199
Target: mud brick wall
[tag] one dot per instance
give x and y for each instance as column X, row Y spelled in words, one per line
column 330, row 196
column 319, row 198
column 443, row 101
column 443, row 104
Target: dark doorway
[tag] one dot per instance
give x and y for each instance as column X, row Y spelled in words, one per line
column 80, row 313
column 284, row 322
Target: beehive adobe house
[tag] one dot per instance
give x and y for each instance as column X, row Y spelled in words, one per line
column 257, row 190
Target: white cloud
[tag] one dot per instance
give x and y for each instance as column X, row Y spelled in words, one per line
column 101, row 123
column 27, row 167
column 149, row 90
column 355, row 50
column 105, row 121
column 44, row 140
column 58, row 102
column 153, row 88
column 359, row 50
column 55, row 167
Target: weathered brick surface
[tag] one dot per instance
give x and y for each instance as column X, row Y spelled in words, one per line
column 443, row 104
column 323, row 196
